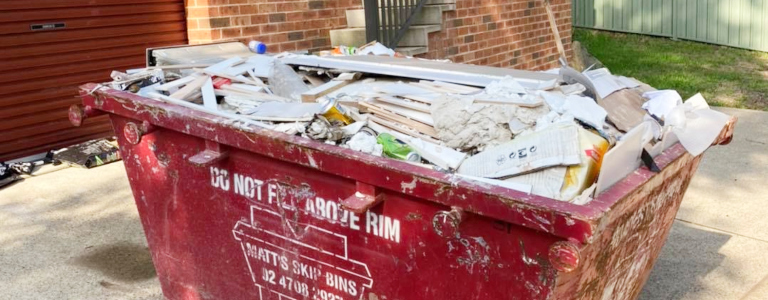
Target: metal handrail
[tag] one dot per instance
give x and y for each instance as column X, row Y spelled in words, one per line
column 388, row 22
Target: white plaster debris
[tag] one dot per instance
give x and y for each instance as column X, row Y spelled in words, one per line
column 506, row 87
column 463, row 125
column 364, row 142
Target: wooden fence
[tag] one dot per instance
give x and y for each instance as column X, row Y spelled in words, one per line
column 736, row 23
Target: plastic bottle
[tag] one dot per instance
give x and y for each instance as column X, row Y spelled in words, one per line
column 257, row 47
column 394, row 148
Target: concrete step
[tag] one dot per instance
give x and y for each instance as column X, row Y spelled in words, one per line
column 416, row 36
column 429, row 15
column 411, row 51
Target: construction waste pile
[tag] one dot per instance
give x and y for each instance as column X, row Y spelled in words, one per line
column 561, row 134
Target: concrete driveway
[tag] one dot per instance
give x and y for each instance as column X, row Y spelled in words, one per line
column 75, row 233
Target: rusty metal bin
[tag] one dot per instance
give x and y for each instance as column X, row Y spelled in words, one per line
column 238, row 212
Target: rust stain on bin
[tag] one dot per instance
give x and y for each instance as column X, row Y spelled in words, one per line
column 238, row 227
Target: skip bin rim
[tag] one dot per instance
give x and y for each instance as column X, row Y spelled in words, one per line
column 563, row 219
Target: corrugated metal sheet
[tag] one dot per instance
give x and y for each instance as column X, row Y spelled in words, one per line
column 40, row 70
column 736, row 23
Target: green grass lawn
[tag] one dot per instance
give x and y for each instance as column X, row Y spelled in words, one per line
column 725, row 76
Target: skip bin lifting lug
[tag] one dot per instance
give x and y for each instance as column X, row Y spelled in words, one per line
column 134, row 132
column 564, row 256
column 78, row 113
column 446, row 223
column 212, row 154
column 366, row 197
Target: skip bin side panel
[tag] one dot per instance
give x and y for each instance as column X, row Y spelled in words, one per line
column 252, row 227
column 617, row 263
column 559, row 218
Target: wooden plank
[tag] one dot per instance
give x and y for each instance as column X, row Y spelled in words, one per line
column 190, row 89
column 327, row 88
column 418, row 126
column 393, row 126
column 233, row 78
column 175, row 84
column 417, row 106
column 418, row 116
column 419, row 98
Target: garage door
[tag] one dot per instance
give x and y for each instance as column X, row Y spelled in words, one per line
column 49, row 47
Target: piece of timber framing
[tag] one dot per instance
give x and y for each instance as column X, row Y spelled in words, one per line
column 209, row 97
column 261, row 97
column 422, row 117
column 422, row 99
column 176, row 83
column 191, row 88
column 393, row 126
column 224, row 65
column 420, row 127
column 330, row 86
column 233, row 78
column 417, row 106
column 314, row 80
column 349, row 76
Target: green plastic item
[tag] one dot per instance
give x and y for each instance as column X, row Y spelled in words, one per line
column 396, row 149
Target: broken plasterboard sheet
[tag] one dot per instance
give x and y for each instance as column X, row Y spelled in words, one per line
column 441, row 156
column 505, row 87
column 571, row 76
column 624, row 158
column 697, row 126
column 585, row 110
column 545, row 183
column 604, row 82
column 279, row 111
column 465, row 125
column 423, row 69
column 555, row 146
column 624, row 108
column 660, row 103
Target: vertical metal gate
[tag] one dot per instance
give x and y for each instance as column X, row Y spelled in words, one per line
column 387, row 21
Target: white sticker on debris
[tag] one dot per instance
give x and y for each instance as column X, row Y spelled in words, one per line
column 555, row 146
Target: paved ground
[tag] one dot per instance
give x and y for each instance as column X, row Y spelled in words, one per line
column 75, row 234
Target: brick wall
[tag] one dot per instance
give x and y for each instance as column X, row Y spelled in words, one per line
column 284, row 25
column 502, row 33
